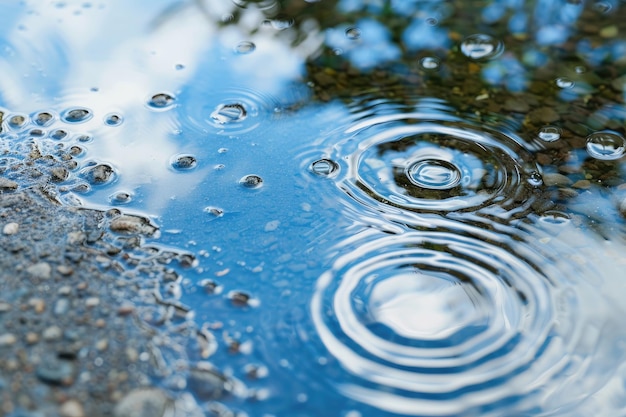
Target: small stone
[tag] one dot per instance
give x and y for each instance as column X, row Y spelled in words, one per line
column 516, row 105
column 132, row 224
column 7, row 184
column 61, row 306
column 71, row 408
column 582, row 184
column 7, row 339
column 10, row 228
column 4, row 306
column 608, row 32
column 65, row 270
column 55, row 371
column 59, row 174
column 543, row 115
column 144, row 402
column 207, row 383
column 38, row 304
column 92, row 302
column 52, row 333
column 32, row 338
column 41, row 270
column 559, row 180
column 76, row 237
column 102, row 344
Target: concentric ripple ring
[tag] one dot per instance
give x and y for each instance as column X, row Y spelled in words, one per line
column 419, row 164
column 440, row 324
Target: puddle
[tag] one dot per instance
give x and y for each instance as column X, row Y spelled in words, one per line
column 397, row 208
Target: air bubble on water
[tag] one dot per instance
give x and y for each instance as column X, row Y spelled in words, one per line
column 113, row 119
column 58, row 134
column 481, row 47
column 37, row 132
column 120, row 197
column 210, row 286
column 222, row 150
column 535, row 179
column 161, row 101
column 353, row 33
column 555, row 217
column 229, row 113
column 564, row 82
column 17, row 121
column 245, row 47
column 549, row 133
column 242, row 299
column 431, row 21
column 430, row 63
column 77, row 115
column 179, row 67
column 251, row 181
column 324, row 167
column 282, row 23
column 183, row 162
column 606, row 145
column 602, row 6
column 43, row 118
column 579, row 69
column 84, row 138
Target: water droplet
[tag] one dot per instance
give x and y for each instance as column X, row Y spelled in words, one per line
column 564, row 82
column 99, row 174
column 183, row 162
column 77, row 115
column 242, row 299
column 481, row 47
column 324, row 167
column 113, row 119
column 161, row 101
column 84, row 138
column 353, row 33
column 430, row 63
column 58, row 134
column 602, row 6
column 210, row 286
column 43, row 118
column 555, row 217
column 549, row 133
column 579, row 69
column 535, row 179
column 214, row 211
column 282, row 23
column 36, row 132
column 431, row 21
column 251, row 181
column 229, row 113
column 245, row 47
column 120, row 197
column 179, row 67
column 606, row 145
column 434, row 174
column 17, row 121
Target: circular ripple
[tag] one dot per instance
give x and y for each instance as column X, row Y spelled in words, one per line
column 439, row 166
column 231, row 112
column 439, row 323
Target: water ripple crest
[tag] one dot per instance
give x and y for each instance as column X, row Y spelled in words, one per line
column 440, row 324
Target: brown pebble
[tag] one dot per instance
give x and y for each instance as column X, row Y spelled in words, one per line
column 65, row 270
column 543, row 115
column 582, row 184
column 7, row 339
column 32, row 338
column 7, row 184
column 71, row 408
column 38, row 304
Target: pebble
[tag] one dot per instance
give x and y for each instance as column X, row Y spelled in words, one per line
column 40, row 270
column 32, row 338
column 92, row 302
column 559, row 180
column 543, row 115
column 4, row 307
column 144, row 402
column 7, row 339
column 582, row 184
column 61, row 306
column 55, row 371
column 52, row 333
column 65, row 270
column 7, row 184
column 71, row 408
column 132, row 224
column 10, row 228
column 207, row 383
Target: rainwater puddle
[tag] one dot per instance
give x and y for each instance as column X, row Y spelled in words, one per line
column 397, row 208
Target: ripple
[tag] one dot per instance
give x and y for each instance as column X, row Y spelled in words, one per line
column 416, row 164
column 443, row 323
column 231, row 112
